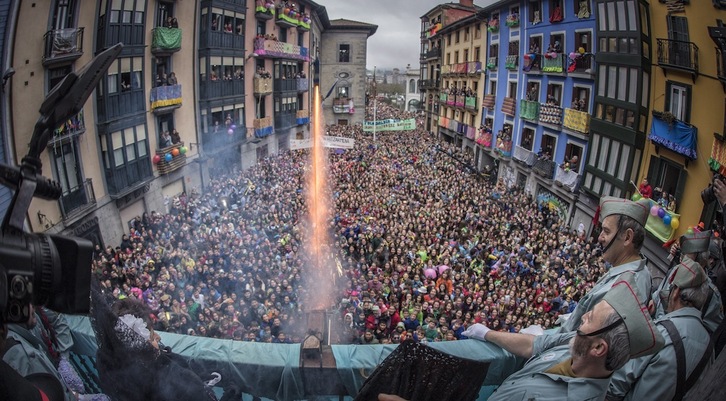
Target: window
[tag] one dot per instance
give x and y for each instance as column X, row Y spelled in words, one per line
column 125, row 74
column 549, row 145
column 535, row 44
column 477, row 54
column 678, row 100
column 513, row 48
column 466, row 56
column 527, row 140
column 68, row 172
column 535, row 12
column 63, row 14
column 573, row 151
column 582, row 40
column 55, row 75
column 533, row 91
column 165, row 123
column 217, row 119
column 466, row 33
column 493, row 88
column 512, row 89
column 456, row 57
column 164, row 11
column 448, row 58
column 344, row 53
column 477, row 32
column 343, row 92
column 582, row 6
column 261, row 27
column 667, row 175
column 124, row 146
column 283, row 34
column 222, row 68
column 448, row 40
column 456, row 37
column 554, row 94
column 556, row 13
column 679, row 49
column 493, row 50
column 580, row 98
column 557, row 42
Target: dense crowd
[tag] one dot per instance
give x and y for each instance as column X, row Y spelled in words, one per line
column 425, row 245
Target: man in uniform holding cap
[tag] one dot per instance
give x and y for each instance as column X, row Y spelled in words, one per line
column 622, row 236
column 578, row 365
column 652, row 377
column 694, row 251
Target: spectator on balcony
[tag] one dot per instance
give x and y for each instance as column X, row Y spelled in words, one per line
column 175, row 137
column 553, row 50
column 239, row 74
column 671, row 203
column 165, row 140
column 228, row 121
column 556, row 15
column 215, row 23
column 240, row 29
column 171, row 80
column 228, row 28
column 646, row 191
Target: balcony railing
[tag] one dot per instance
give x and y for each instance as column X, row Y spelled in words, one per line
column 428, row 84
column 580, row 63
column 459, row 101
column 62, row 46
column 529, row 110
column 285, row 85
column 474, row 67
column 470, row 102
column 290, row 18
column 577, row 121
column 446, row 70
column 303, row 117
column 432, row 54
column 504, row 146
column 567, row 178
column 678, row 55
column 343, row 105
column 460, row 68
column 532, row 62
column 303, row 84
column 509, row 106
column 284, row 120
column 433, row 30
column 262, row 86
column 443, row 98
column 212, row 89
column 275, row 49
column 178, row 158
column 73, row 127
column 527, row 157
column 166, row 96
column 553, row 63
column 545, row 168
column 263, row 127
column 511, row 62
column 223, row 138
column 165, row 40
column 265, row 13
column 78, row 198
column 492, row 63
column 550, row 114
column 721, row 65
column 489, row 101
column 221, row 39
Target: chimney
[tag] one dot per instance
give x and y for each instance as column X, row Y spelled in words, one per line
column 467, row 3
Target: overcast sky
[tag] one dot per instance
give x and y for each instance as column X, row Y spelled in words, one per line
column 397, row 41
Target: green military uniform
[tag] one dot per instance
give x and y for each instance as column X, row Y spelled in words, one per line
column 533, row 382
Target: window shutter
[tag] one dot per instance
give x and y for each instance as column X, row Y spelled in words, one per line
column 682, row 176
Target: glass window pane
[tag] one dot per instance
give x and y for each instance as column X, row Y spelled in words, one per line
column 613, row 159
column 617, row 192
column 593, row 150
column 602, row 82
column 131, row 152
column 622, row 82
column 597, row 185
column 612, row 81
column 623, row 161
column 140, row 132
column 112, row 85
column 646, row 88
column 633, row 90
column 588, row 180
column 612, row 18
column 602, row 158
column 632, row 25
column 606, row 187
column 602, row 26
column 129, row 136
column 621, row 17
column 116, row 140
column 141, row 146
column 118, row 156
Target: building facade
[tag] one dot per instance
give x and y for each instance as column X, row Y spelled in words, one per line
column 198, row 87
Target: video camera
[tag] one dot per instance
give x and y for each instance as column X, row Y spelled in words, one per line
column 707, row 195
column 37, row 268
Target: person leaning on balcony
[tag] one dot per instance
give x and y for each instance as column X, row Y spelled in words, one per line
column 175, row 137
column 171, row 80
column 165, row 141
column 578, row 365
column 646, row 191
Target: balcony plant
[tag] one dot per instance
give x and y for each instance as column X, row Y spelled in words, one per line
column 512, row 20
column 493, row 25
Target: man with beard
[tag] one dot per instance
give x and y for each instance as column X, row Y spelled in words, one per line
column 622, row 236
column 578, row 365
column 687, row 347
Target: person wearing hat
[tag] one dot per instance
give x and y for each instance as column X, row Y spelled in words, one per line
column 694, row 252
column 578, row 365
column 652, row 377
column 622, row 236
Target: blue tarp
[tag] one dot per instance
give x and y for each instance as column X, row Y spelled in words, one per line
column 678, row 136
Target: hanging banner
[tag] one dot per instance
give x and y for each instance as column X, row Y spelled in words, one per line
column 337, row 142
column 390, row 125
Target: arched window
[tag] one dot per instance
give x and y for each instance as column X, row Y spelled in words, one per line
column 412, row 86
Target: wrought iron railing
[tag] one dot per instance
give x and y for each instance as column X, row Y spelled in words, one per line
column 678, row 54
column 63, row 45
column 77, row 198
column 550, row 114
column 545, row 168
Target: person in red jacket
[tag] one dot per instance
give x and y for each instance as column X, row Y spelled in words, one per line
column 645, row 189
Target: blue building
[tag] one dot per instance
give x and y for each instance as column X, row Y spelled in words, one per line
column 539, row 96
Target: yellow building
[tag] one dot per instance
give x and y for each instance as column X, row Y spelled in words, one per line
column 686, row 109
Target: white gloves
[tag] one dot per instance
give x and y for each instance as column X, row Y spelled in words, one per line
column 476, row 331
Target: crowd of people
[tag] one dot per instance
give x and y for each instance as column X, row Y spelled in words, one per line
column 426, row 247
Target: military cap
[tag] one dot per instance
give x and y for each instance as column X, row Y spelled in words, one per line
column 687, row 274
column 696, row 242
column 610, row 205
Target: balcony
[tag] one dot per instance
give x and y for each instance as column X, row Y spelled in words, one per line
column 163, row 98
column 470, row 103
column 673, row 134
column 567, row 178
column 285, row 85
column 529, row 110
column 178, row 158
column 303, row 84
column 489, row 101
column 524, row 156
column 285, row 120
column 492, row 63
column 265, row 13
column 474, row 67
column 343, row 105
column 261, row 86
column 303, row 117
column 446, row 70
column 165, row 41
column 550, row 114
column 71, row 128
column 221, row 39
column 460, row 68
column 129, row 177
column 532, row 63
column 576, row 120
column 504, row 146
column 432, row 54
column 267, row 48
column 553, row 63
column 214, row 142
column 432, row 30
column 511, row 62
column 429, row 84
column 459, row 101
column 214, row 89
column 509, row 106
column 443, row 98
column 721, row 66
column 545, row 168
column 580, row 65
column 291, row 18
column 263, row 127
column 77, row 199
column 678, row 55
column 484, row 138
column 62, row 46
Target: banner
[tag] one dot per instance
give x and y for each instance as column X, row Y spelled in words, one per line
column 337, row 142
column 390, row 125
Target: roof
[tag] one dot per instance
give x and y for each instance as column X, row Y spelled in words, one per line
column 451, row 5
column 342, row 23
